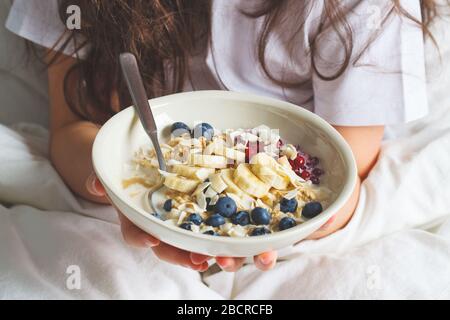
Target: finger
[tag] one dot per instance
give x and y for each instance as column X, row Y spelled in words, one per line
column 323, row 229
column 134, row 236
column 327, row 224
column 139, row 238
column 197, row 258
column 94, row 186
column 177, row 256
column 230, row 264
column 266, row 261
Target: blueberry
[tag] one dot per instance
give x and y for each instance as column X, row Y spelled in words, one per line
column 157, row 216
column 204, row 130
column 215, row 220
column 288, row 205
column 315, row 180
column 195, row 218
column 313, row 161
column 286, row 223
column 226, row 207
column 259, row 231
column 179, row 128
column 186, row 226
column 168, row 205
column 260, row 216
column 317, row 172
column 210, row 233
column 311, row 209
column 241, row 218
column 208, row 206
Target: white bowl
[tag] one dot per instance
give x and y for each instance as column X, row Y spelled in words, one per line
column 123, row 134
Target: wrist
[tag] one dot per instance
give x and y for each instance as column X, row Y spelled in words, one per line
column 341, row 218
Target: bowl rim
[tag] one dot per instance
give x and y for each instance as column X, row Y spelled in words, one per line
column 310, row 117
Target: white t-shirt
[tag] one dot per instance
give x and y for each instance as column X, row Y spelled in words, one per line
column 386, row 86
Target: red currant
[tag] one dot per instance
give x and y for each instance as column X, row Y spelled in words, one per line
column 305, row 175
column 299, row 161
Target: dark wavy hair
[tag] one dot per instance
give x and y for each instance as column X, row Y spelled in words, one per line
column 165, row 34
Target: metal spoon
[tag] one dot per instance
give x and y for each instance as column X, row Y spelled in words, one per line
column 133, row 78
column 135, row 85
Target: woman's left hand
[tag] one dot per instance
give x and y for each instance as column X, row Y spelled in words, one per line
column 264, row 261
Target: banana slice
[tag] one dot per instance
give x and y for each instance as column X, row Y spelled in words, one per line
column 217, row 182
column 208, row 161
column 264, row 160
column 227, row 177
column 248, row 182
column 290, row 151
column 198, row 173
column 283, row 170
column 283, row 161
column 181, row 184
column 295, row 180
column 270, row 176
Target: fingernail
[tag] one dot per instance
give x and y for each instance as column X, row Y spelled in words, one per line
column 265, row 260
column 197, row 259
column 225, row 264
column 328, row 223
column 205, row 267
column 150, row 244
column 91, row 185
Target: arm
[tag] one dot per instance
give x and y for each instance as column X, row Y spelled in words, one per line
column 71, row 138
column 365, row 143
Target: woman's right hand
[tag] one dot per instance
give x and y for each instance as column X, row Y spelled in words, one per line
column 138, row 238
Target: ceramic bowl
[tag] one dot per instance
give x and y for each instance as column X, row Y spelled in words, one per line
column 123, row 134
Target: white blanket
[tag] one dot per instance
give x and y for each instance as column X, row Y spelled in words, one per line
column 396, row 246
column 52, row 245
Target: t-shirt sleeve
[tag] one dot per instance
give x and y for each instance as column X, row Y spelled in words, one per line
column 387, row 84
column 39, row 22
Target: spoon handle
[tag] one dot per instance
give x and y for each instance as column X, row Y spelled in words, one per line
column 135, row 85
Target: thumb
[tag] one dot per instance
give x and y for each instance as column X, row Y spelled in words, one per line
column 94, row 186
